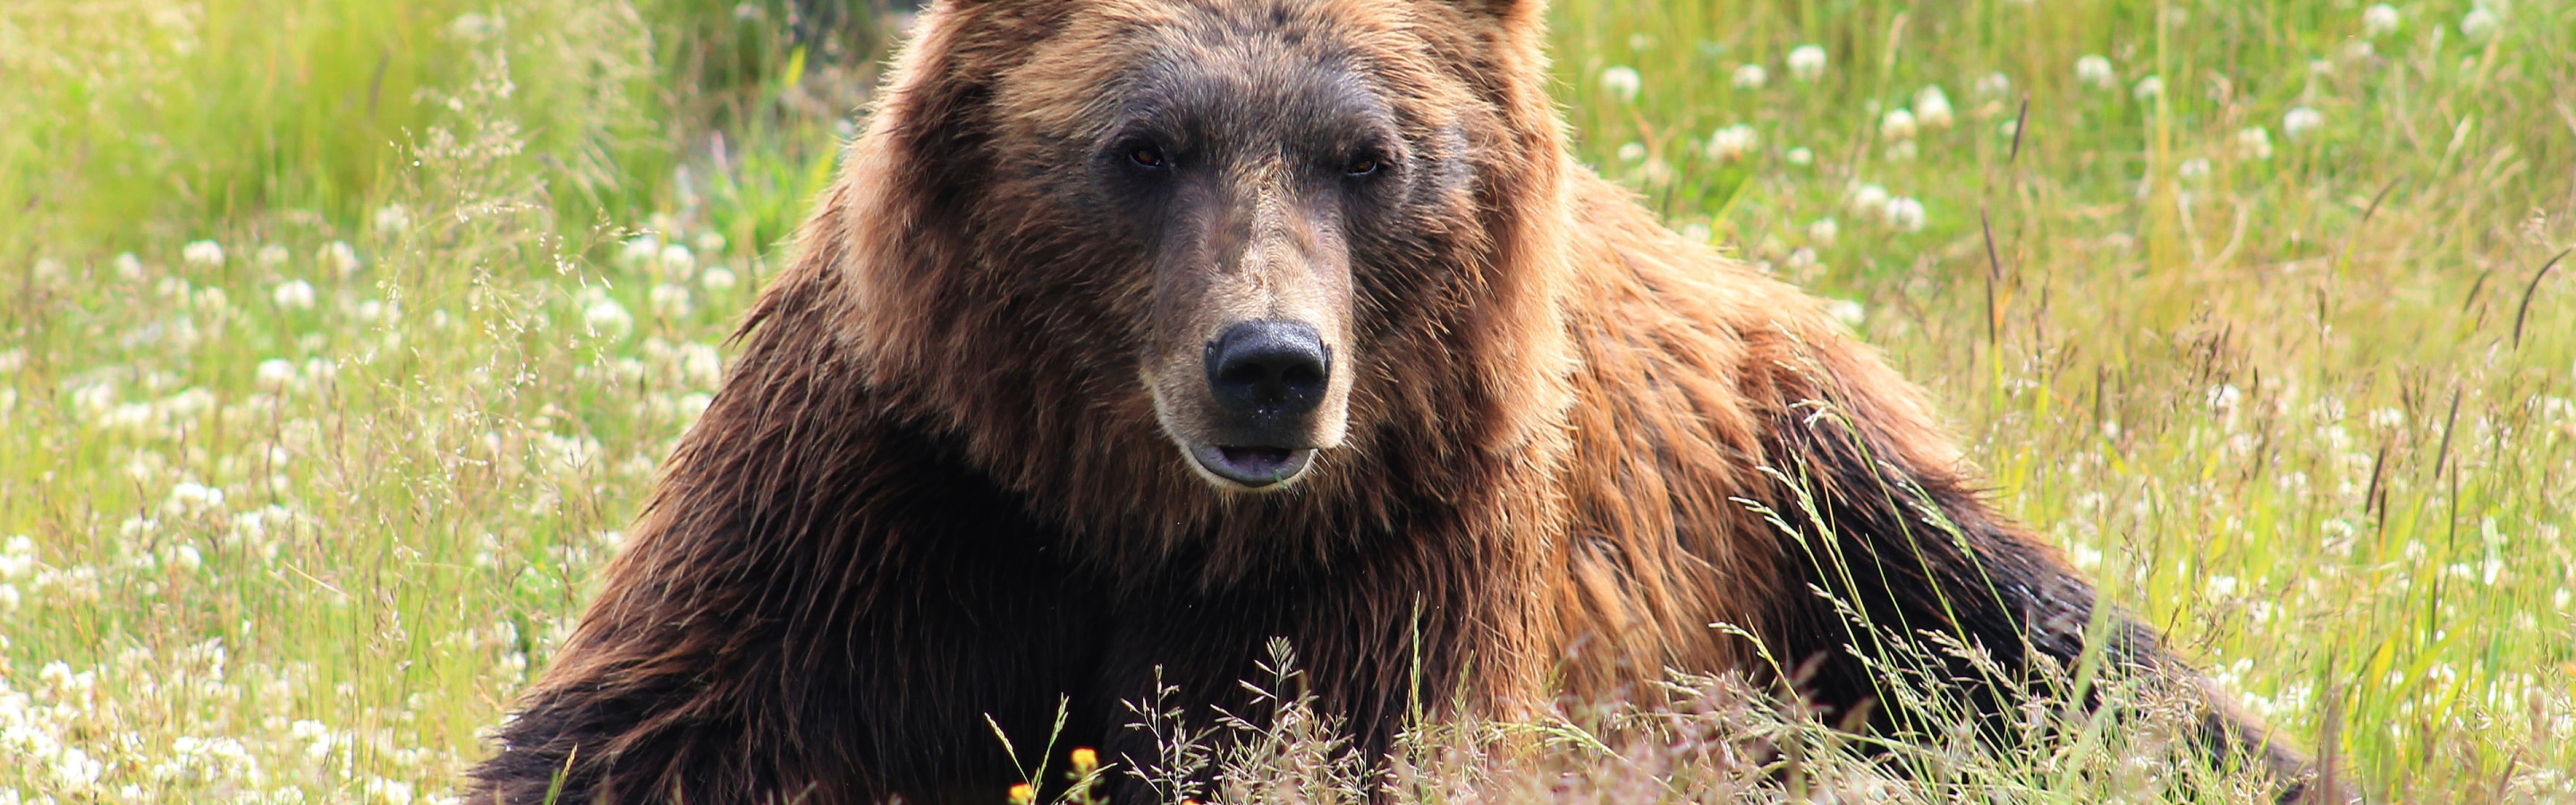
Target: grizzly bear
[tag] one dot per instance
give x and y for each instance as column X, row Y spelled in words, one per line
column 1136, row 333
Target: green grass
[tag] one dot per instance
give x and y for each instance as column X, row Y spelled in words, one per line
column 2307, row 410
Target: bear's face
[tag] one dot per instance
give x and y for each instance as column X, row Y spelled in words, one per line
column 1260, row 196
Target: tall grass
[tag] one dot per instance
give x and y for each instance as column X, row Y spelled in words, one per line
column 342, row 338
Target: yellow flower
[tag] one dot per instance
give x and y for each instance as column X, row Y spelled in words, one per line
column 1084, row 760
column 1023, row 794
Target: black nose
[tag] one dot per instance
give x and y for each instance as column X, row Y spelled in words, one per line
column 1269, row 368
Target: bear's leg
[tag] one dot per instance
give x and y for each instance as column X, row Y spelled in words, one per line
column 842, row 639
column 1912, row 551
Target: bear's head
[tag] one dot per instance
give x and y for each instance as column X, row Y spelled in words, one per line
column 1164, row 259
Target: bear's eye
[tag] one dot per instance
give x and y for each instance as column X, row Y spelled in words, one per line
column 1146, row 156
column 1363, row 166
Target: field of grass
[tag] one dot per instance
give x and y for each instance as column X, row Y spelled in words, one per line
column 339, row 340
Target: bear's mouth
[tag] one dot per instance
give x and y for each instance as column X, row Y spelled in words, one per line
column 1253, row 466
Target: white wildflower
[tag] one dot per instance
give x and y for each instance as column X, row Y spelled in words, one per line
column 2387, row 418
column 317, row 737
column 709, row 243
column 1733, row 143
column 1623, row 82
column 670, row 301
column 392, row 219
column 50, row 272
column 190, row 497
column 391, row 792
column 1800, row 155
column 1751, row 76
column 717, row 279
column 321, row 369
column 2222, row 586
column 1993, row 85
column 95, row 399
column 1932, row 107
column 271, row 256
column 2300, row 121
column 75, row 769
column 1897, row 125
column 472, row 27
column 2253, row 142
column 569, row 454
column 1807, row 62
column 2095, row 70
column 1870, row 200
column 1846, row 311
column 1823, row 231
column 293, row 295
column 1905, row 213
column 276, row 373
column 2149, row 88
column 604, row 316
column 1632, row 151
column 701, row 364
column 677, row 262
column 339, row 257
column 204, row 254
column 2194, row 169
column 2480, row 24
column 128, row 267
column 17, row 556
column 640, row 249
column 2225, row 396
column 1803, row 258
column 1697, row 232
column 2085, row 557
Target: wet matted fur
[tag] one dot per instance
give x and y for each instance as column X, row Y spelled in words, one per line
column 934, row 488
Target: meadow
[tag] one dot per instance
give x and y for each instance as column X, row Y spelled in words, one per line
column 339, row 340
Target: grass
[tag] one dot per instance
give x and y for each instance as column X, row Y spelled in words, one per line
column 341, row 338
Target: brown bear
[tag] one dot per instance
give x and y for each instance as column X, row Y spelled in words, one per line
column 1135, row 333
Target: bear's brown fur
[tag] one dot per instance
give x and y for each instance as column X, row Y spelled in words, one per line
column 933, row 489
